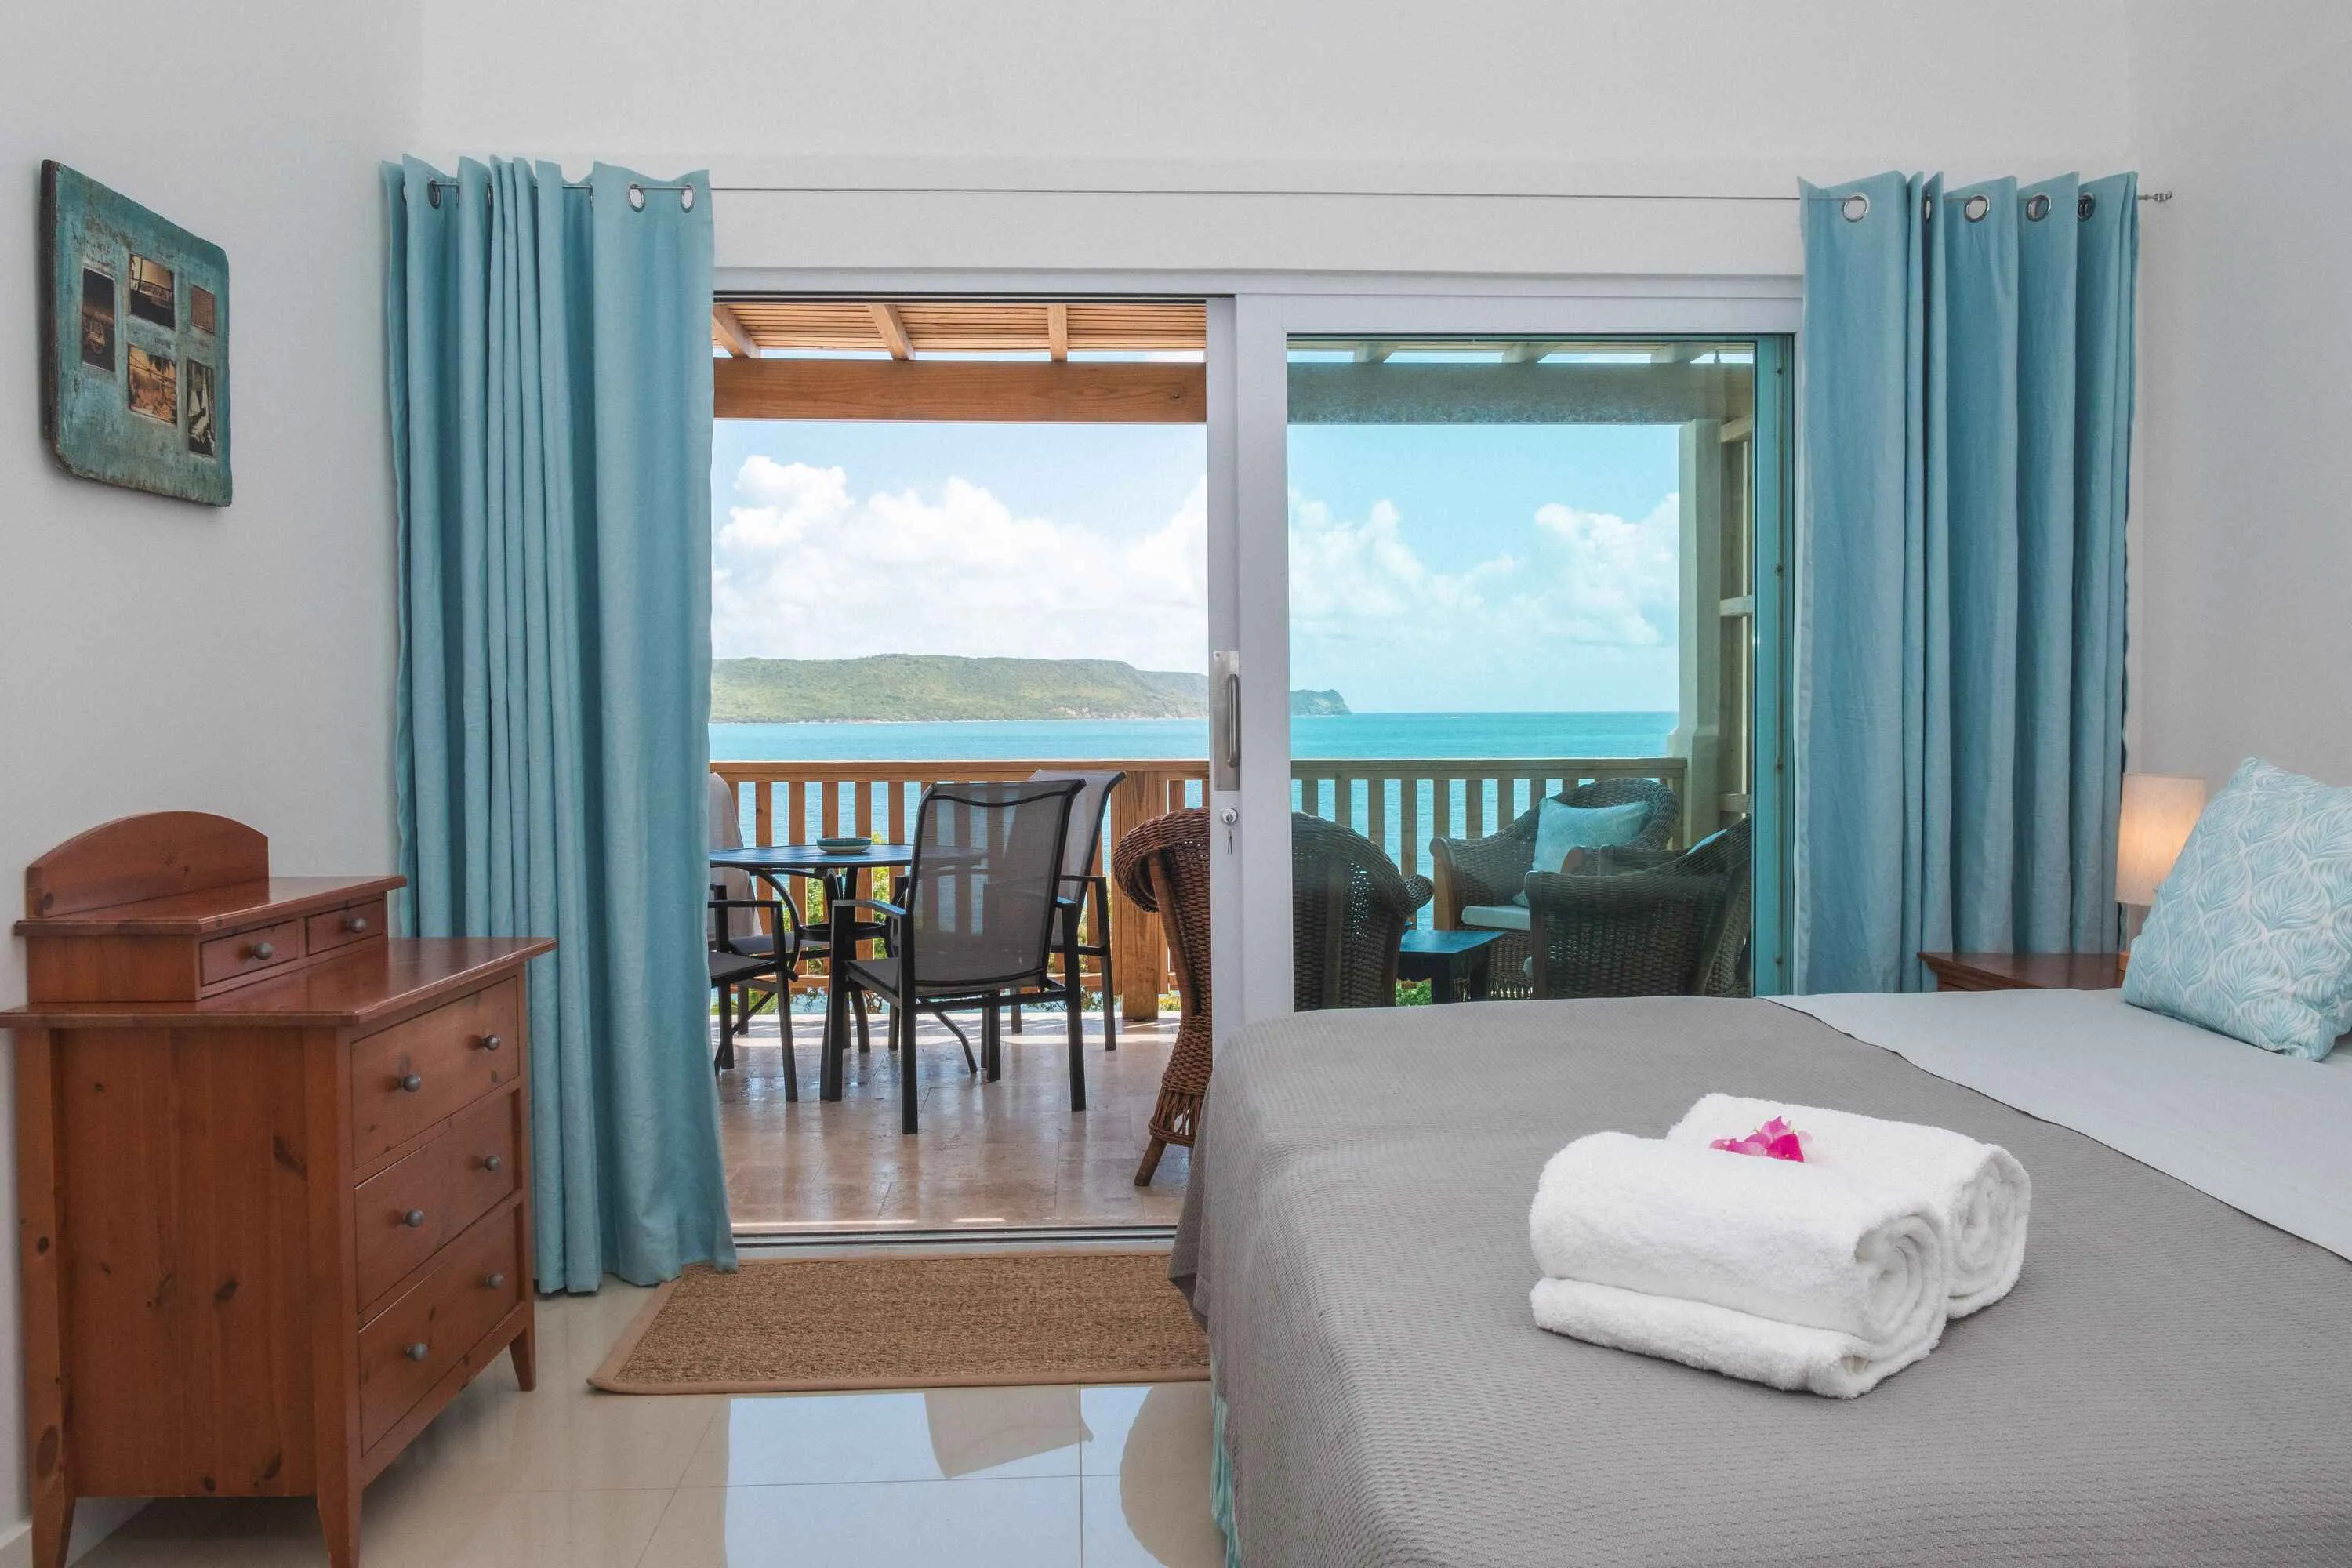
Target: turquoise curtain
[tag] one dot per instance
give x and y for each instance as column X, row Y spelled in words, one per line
column 549, row 354
column 1966, row 385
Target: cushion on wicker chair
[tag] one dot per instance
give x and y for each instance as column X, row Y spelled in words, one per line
column 1497, row 917
column 1562, row 829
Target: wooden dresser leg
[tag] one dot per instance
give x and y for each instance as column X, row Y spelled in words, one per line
column 53, row 1514
column 339, row 1520
column 525, row 1355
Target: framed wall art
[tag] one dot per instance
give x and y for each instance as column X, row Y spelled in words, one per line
column 134, row 334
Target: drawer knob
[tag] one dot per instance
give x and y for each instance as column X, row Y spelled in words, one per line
column 410, row 1083
column 491, row 1042
column 418, row 1350
column 263, row 951
column 494, row 1281
column 491, row 1162
column 413, row 1219
column 355, row 923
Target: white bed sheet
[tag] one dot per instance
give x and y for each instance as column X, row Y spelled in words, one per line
column 2268, row 1135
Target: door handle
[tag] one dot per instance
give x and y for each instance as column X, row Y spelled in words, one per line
column 1224, row 718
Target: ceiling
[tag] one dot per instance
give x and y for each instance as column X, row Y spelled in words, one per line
column 913, row 329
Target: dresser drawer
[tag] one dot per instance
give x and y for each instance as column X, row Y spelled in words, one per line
column 340, row 928
column 405, row 1212
column 255, row 952
column 407, row 1077
column 413, row 1344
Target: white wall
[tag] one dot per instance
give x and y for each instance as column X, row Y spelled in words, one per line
column 2244, row 502
column 1654, row 96
column 162, row 655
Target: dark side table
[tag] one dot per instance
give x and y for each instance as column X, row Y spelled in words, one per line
column 2024, row 971
column 1454, row 962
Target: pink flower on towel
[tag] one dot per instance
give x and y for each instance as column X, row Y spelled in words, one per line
column 1775, row 1140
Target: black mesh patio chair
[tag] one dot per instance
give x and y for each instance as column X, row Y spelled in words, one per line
column 749, row 968
column 974, row 919
column 1086, row 900
column 1349, row 907
column 1485, row 874
column 1635, row 922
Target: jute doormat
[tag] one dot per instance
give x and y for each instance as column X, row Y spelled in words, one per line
column 911, row 1322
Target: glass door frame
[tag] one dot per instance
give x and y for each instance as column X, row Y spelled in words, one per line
column 1249, row 573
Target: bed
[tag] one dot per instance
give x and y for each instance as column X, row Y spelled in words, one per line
column 2170, row 1382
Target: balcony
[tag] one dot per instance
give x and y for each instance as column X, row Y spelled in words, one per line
column 1011, row 1153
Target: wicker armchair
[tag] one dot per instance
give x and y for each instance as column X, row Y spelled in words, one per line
column 1494, row 869
column 1636, row 923
column 1164, row 865
column 1350, row 909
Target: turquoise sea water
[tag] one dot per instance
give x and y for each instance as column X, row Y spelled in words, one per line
column 1371, row 735
column 1341, row 735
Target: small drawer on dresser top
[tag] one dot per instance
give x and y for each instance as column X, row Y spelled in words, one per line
column 340, row 928
column 411, row 1075
column 412, row 1344
column 405, row 1212
column 256, row 951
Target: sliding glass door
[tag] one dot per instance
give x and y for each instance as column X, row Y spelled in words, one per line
column 1510, row 621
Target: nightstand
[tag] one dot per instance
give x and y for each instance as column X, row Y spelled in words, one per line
column 2025, row 971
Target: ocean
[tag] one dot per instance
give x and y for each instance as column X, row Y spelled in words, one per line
column 1073, row 740
column 1337, row 735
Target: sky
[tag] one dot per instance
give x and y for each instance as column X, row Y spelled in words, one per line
column 1433, row 568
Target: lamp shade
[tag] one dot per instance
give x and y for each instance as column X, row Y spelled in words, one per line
column 2159, row 811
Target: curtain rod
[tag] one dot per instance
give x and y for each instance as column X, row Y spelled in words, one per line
column 2156, row 197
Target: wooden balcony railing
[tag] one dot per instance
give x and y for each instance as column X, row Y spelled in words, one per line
column 1400, row 803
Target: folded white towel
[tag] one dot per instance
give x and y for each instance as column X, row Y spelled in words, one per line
column 1979, row 1190
column 1813, row 1279
column 1717, row 1339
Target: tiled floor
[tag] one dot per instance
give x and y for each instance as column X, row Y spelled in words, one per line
column 1009, row 1153
column 570, row 1477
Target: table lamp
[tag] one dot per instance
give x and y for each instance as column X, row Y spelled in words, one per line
column 2159, row 811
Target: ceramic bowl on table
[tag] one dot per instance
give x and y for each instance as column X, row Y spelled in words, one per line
column 841, row 845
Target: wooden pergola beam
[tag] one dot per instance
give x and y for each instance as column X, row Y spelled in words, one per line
column 893, row 330
column 727, row 331
column 1031, row 392
column 1057, row 331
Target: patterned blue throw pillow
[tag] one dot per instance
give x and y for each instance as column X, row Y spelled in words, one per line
column 2252, row 934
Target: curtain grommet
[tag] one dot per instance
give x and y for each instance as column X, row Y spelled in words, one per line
column 1855, row 208
column 636, row 197
column 686, row 198
column 2084, row 205
column 2037, row 206
column 1975, row 207
column 433, row 194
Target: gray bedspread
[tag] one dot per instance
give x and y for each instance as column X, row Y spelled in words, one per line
column 2170, row 1382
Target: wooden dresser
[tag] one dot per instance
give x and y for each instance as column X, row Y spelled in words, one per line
column 274, row 1172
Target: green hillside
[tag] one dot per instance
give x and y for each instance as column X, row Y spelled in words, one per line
column 930, row 687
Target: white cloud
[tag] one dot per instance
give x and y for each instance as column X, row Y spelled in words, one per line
column 1578, row 611
column 1588, row 605
column 804, row 568
column 1617, row 582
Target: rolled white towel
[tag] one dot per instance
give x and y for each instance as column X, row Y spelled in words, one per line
column 1808, row 1280
column 1979, row 1190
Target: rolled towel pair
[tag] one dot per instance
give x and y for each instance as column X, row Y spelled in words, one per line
column 1979, row 1191
column 1777, row 1273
